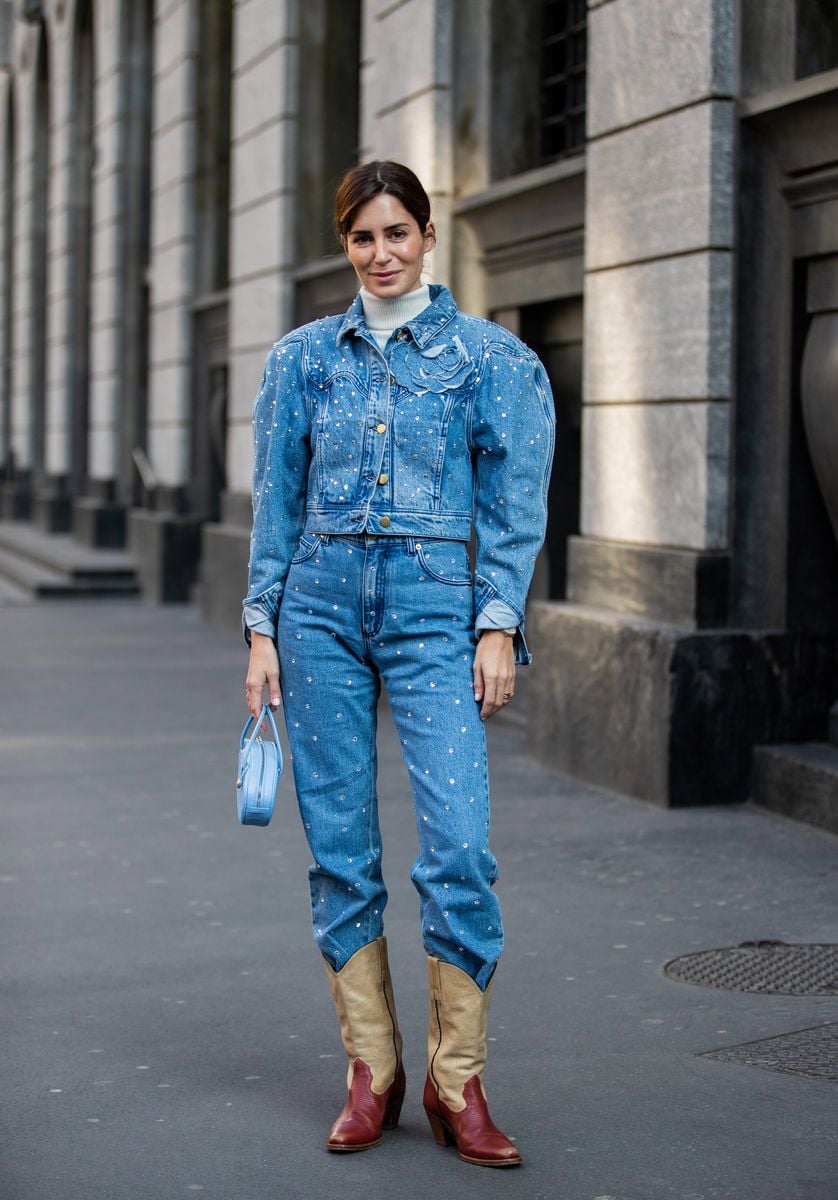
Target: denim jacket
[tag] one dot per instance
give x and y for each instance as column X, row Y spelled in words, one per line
column 450, row 427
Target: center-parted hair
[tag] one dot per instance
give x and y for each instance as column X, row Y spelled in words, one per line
column 362, row 183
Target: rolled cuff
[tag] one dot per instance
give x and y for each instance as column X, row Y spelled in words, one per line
column 497, row 615
column 255, row 621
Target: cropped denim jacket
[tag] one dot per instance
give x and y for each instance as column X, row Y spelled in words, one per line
column 450, row 427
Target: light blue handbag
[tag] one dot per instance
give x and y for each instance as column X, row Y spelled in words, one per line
column 260, row 769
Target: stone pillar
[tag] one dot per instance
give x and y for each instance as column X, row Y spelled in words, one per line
column 51, row 508
column 98, row 517
column 6, row 244
column 655, row 503
column 658, row 310
column 17, row 493
column 261, row 293
column 165, row 540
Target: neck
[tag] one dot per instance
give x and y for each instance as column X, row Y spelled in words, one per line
column 383, row 314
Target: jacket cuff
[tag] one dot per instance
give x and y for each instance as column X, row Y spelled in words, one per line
column 497, row 615
column 255, row 621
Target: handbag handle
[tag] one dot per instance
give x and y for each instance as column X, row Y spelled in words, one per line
column 258, row 725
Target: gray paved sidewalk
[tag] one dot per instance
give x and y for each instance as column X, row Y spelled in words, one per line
column 165, row 1021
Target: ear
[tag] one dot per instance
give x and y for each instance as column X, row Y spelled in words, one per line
column 430, row 236
column 345, row 243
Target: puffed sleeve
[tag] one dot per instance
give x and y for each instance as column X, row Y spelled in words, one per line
column 281, row 460
column 512, row 439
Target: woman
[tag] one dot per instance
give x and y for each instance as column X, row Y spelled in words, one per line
column 382, row 438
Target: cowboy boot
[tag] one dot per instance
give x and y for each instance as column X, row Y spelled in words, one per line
column 454, row 1099
column 363, row 996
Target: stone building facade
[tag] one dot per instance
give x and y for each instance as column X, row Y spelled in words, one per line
column 644, row 190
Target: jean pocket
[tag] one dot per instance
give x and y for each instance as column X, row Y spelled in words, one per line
column 308, row 543
column 445, row 562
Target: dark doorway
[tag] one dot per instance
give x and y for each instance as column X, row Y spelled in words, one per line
column 137, row 37
column 554, row 331
column 212, row 271
column 811, row 552
column 81, row 206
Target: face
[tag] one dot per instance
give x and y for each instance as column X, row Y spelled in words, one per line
column 386, row 247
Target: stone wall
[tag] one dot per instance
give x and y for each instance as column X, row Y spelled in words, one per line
column 659, row 278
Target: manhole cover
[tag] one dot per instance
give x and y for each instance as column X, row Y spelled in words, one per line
column 802, row 970
column 809, row 1052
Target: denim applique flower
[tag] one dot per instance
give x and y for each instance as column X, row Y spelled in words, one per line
column 440, row 368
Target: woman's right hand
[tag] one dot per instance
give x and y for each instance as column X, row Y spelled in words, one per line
column 262, row 670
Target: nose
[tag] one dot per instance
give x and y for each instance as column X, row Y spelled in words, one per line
column 382, row 250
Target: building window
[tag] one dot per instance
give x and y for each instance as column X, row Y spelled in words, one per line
column 816, row 37
column 537, row 100
column 562, row 71
column 329, row 107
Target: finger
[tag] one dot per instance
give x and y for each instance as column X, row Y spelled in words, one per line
column 273, row 689
column 491, row 699
column 477, row 672
column 253, row 692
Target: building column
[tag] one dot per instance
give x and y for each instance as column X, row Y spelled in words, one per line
column 7, row 216
column 51, row 502
column 99, row 516
column 164, row 538
column 652, row 562
column 262, row 261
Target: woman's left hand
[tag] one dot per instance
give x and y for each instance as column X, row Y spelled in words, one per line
column 494, row 672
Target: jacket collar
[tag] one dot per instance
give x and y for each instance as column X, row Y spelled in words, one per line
column 430, row 320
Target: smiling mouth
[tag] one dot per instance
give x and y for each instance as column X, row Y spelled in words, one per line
column 384, row 274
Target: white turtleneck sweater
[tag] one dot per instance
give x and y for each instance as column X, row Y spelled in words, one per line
column 382, row 317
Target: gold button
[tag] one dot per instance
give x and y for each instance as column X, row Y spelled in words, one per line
column 385, row 521
column 392, row 379
column 383, row 478
column 380, row 427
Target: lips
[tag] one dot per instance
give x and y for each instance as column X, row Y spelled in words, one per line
column 385, row 276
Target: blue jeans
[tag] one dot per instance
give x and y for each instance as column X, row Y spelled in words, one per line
column 359, row 609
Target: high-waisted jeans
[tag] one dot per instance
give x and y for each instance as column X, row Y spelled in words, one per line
column 358, row 610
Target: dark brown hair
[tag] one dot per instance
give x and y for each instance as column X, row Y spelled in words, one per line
column 367, row 180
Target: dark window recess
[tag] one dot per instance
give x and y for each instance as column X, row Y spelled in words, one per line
column 562, row 74
column 816, row 37
column 212, row 175
column 329, row 107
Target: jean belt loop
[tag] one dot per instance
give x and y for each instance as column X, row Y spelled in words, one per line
column 325, row 538
column 411, row 545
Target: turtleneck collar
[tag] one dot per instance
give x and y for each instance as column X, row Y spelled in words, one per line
column 383, row 315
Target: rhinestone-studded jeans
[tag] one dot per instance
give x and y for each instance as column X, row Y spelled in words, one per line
column 359, row 610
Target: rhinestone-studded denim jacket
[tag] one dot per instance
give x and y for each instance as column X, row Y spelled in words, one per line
column 450, row 426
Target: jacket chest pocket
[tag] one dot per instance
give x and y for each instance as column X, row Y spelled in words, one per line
column 422, row 428
column 339, row 431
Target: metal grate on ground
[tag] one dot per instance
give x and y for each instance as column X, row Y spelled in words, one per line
column 764, row 966
column 812, row 1053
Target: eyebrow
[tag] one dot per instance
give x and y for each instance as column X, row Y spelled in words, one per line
column 387, row 228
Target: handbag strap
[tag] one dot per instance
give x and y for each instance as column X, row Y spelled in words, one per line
column 266, row 711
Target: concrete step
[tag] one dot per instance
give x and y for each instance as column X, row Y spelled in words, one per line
column 53, row 566
column 12, row 593
column 799, row 781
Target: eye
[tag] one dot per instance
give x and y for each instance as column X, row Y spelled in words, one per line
column 359, row 238
column 399, row 234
